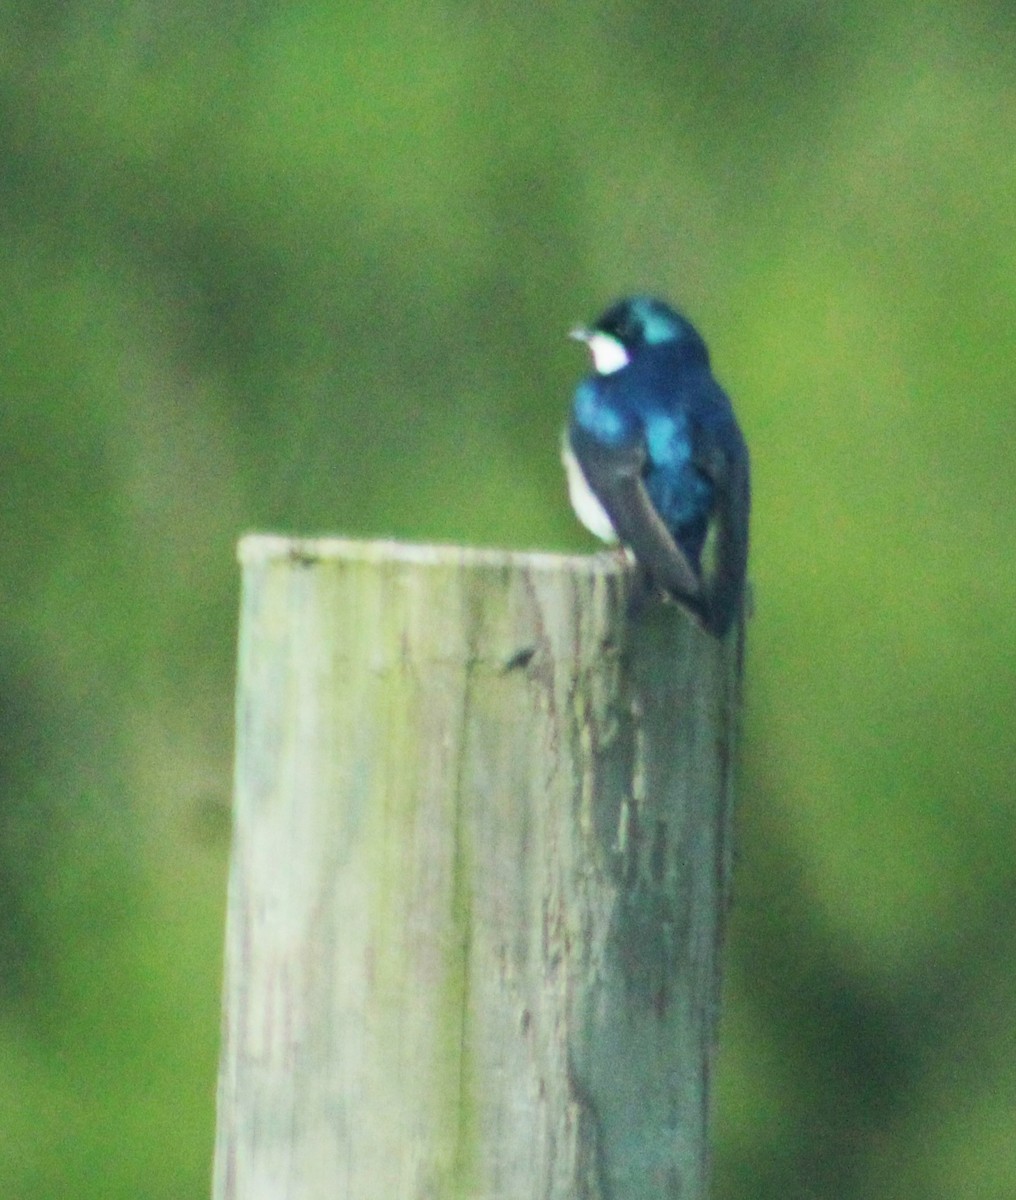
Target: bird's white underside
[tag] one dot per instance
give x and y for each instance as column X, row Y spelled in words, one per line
column 608, row 356
column 587, row 508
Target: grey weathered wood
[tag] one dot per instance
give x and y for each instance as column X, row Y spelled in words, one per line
column 480, row 867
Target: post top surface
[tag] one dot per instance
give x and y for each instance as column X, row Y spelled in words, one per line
column 267, row 547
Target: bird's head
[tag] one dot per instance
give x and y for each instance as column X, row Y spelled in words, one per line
column 634, row 324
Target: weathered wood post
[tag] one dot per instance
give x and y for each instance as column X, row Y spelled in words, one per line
column 480, row 868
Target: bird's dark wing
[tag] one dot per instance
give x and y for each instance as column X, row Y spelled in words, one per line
column 723, row 589
column 615, row 476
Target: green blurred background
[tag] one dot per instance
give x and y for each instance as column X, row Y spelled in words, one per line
column 309, row 267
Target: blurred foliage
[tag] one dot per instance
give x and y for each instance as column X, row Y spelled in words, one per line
column 308, row 267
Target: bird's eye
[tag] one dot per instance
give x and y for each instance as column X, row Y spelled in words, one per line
column 626, row 329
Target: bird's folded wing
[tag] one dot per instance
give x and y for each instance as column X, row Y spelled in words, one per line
column 615, row 476
column 724, row 588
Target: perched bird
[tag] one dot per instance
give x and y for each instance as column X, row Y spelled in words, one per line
column 656, row 461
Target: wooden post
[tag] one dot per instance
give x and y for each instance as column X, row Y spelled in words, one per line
column 480, row 867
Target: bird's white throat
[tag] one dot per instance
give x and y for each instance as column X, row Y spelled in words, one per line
column 608, row 353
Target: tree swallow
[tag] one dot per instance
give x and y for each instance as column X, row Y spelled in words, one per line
column 656, row 461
